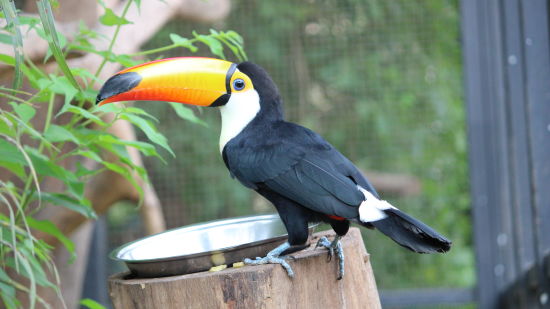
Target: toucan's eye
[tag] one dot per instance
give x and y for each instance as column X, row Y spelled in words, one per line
column 238, row 84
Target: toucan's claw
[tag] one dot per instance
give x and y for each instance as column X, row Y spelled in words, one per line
column 325, row 243
column 273, row 257
column 332, row 247
column 271, row 260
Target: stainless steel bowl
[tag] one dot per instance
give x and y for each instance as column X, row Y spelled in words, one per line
column 200, row 246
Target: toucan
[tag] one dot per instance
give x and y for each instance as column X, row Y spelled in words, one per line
column 300, row 173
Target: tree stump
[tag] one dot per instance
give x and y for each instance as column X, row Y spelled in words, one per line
column 264, row 286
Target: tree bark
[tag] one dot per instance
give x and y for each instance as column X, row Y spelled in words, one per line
column 266, row 286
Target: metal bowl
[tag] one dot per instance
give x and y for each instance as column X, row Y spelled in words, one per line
column 201, row 246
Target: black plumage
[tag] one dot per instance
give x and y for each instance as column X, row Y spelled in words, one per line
column 306, row 178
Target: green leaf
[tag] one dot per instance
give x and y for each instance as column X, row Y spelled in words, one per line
column 149, row 129
column 25, row 126
column 25, row 111
column 86, row 114
column 5, row 39
column 83, row 171
column 232, row 40
column 117, row 169
column 46, row 16
column 86, row 135
column 60, row 38
column 30, row 20
column 186, row 113
column 215, row 46
column 4, row 276
column 126, row 60
column 109, row 18
column 7, row 59
column 62, row 85
column 50, row 228
column 139, row 111
column 26, row 271
column 109, row 108
column 88, row 95
column 89, row 154
column 119, row 150
column 44, row 82
column 235, row 36
column 116, row 148
column 9, row 301
column 91, row 304
column 57, row 133
column 76, row 188
column 7, row 126
column 127, row 174
column 10, row 14
column 35, row 264
column 15, row 168
column 7, row 290
column 82, row 112
column 145, row 148
column 10, row 153
column 45, row 167
column 81, row 206
column 33, row 74
column 183, row 42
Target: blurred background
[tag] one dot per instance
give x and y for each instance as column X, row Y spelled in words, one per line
column 381, row 81
column 444, row 104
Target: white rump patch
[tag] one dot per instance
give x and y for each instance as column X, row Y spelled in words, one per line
column 241, row 108
column 372, row 209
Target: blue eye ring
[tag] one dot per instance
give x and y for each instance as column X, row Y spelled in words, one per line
column 238, row 84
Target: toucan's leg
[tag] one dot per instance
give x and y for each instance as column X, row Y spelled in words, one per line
column 273, row 257
column 295, row 218
column 334, row 246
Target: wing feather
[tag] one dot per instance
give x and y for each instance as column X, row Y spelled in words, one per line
column 301, row 166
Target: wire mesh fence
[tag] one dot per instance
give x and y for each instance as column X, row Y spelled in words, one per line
column 380, row 80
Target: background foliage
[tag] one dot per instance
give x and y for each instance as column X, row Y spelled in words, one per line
column 381, row 80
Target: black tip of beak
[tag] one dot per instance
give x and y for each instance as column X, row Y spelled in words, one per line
column 118, row 84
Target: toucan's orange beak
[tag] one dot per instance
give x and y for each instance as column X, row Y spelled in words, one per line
column 189, row 80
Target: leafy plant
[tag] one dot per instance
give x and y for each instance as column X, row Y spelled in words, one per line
column 33, row 154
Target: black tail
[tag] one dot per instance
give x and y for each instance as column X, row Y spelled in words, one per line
column 411, row 233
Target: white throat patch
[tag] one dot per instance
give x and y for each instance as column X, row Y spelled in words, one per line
column 241, row 108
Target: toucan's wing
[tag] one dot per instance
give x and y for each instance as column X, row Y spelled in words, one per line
column 301, row 166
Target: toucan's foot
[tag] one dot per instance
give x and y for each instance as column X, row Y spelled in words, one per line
column 273, row 257
column 333, row 247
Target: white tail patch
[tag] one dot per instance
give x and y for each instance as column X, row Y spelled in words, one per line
column 372, row 209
